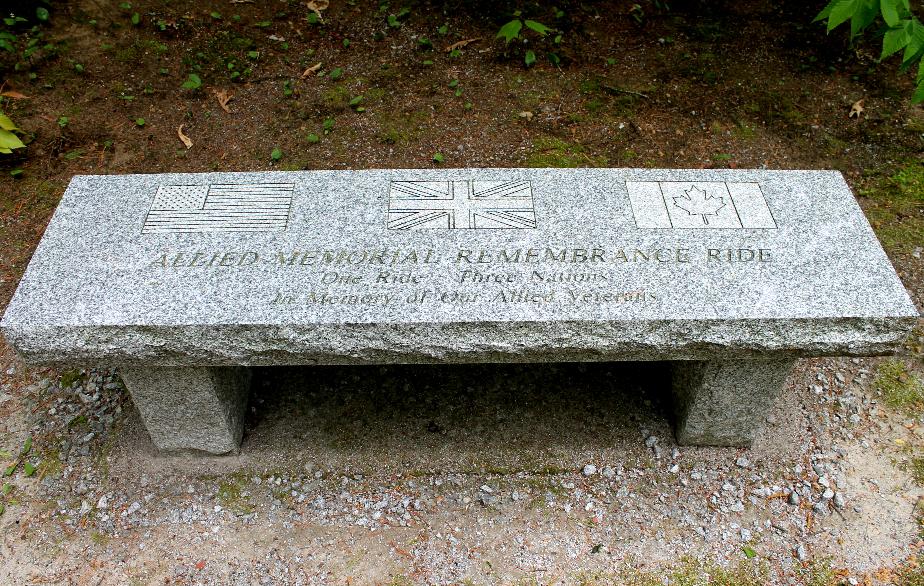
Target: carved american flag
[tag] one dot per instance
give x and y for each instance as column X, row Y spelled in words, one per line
column 424, row 205
column 238, row 207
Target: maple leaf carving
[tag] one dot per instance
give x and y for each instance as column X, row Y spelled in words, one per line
column 697, row 202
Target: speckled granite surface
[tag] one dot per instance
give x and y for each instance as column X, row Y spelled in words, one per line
column 456, row 265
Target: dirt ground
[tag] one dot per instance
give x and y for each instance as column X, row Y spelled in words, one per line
column 463, row 474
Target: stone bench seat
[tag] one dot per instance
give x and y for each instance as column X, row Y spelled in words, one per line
column 183, row 281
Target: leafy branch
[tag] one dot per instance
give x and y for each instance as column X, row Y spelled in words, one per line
column 900, row 30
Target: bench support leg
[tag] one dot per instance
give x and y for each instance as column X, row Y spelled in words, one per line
column 191, row 408
column 723, row 402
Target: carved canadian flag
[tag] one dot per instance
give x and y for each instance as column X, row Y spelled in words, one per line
column 699, row 204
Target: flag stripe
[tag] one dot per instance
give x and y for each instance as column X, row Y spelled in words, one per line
column 259, row 207
column 506, row 189
column 421, row 190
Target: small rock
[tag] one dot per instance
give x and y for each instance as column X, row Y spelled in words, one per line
column 743, row 462
column 132, row 509
column 102, row 503
column 839, row 501
column 794, row 498
column 675, row 469
column 589, row 470
column 801, row 553
column 608, row 472
column 828, row 494
column 651, row 440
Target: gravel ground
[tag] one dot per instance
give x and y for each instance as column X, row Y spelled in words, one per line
column 473, row 474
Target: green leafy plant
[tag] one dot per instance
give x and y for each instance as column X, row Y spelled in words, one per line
column 193, row 82
column 900, row 28
column 395, row 20
column 276, row 154
column 8, row 140
column 516, row 30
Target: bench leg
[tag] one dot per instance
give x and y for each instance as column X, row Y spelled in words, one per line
column 723, row 402
column 191, row 408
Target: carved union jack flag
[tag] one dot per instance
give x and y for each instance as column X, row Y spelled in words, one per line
column 424, row 205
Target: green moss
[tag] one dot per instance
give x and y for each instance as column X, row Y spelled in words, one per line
column 917, row 470
column 71, row 377
column 51, row 463
column 230, row 494
column 896, row 206
column 399, row 129
column 911, row 576
column 80, row 422
column 336, row 97
column 688, row 572
column 374, row 94
column 593, row 106
column 549, row 151
column 590, row 86
column 127, row 54
column 743, row 131
column 900, row 388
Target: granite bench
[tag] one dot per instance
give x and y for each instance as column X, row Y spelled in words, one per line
column 183, row 281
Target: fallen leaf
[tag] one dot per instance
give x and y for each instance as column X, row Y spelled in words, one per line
column 183, row 137
column 223, row 98
column 14, row 95
column 525, row 114
column 313, row 69
column 317, row 6
column 200, row 564
column 856, row 109
column 460, row 44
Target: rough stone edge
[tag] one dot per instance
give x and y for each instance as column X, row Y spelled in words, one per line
column 266, row 345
